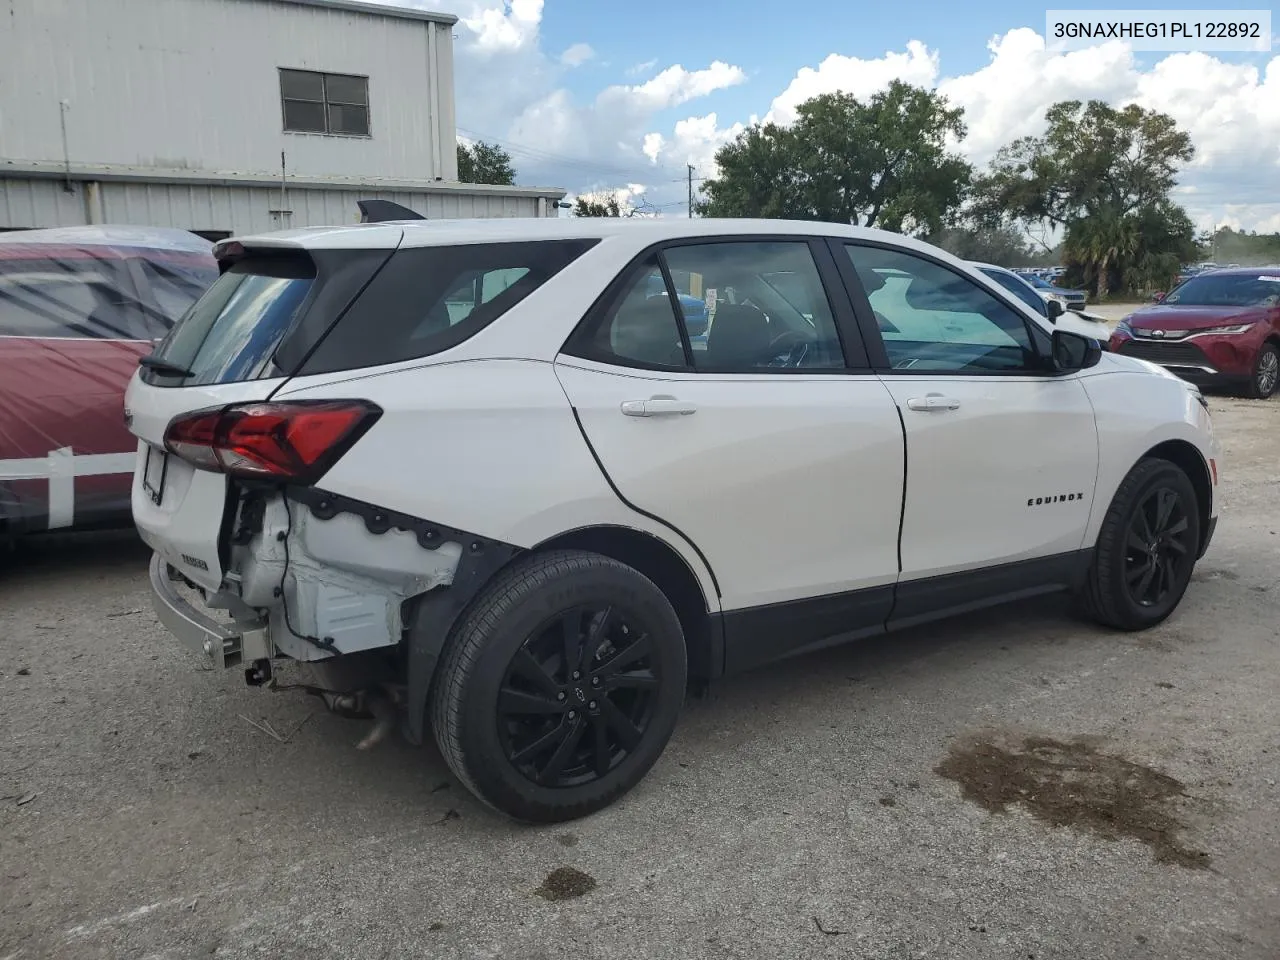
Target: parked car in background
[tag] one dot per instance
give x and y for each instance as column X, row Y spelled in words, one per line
column 1220, row 328
column 696, row 316
column 1050, row 309
column 78, row 307
column 1070, row 299
column 523, row 527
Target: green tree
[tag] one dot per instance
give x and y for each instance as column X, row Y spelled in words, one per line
column 1104, row 175
column 1003, row 244
column 883, row 162
column 485, row 163
column 597, row 206
column 1249, row 249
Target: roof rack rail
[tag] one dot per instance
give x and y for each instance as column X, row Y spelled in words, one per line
column 381, row 211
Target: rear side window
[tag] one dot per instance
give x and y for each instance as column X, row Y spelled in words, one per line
column 231, row 333
column 70, row 298
column 428, row 299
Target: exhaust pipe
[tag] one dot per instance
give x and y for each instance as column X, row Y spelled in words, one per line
column 380, row 703
column 385, row 713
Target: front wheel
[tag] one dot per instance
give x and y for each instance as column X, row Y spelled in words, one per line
column 560, row 687
column 1146, row 550
column 1266, row 373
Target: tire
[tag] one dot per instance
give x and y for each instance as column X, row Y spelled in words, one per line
column 1266, row 373
column 1112, row 591
column 524, row 612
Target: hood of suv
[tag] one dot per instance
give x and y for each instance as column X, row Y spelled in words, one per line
column 1172, row 317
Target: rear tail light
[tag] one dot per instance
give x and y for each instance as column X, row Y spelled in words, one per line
column 294, row 441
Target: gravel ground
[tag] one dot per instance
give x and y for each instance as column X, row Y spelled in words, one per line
column 1009, row 785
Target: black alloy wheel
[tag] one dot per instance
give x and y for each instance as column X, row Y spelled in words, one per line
column 560, row 686
column 1147, row 548
column 578, row 696
column 1157, row 546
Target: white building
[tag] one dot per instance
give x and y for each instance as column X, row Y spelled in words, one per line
column 230, row 116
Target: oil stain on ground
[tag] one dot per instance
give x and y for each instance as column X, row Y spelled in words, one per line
column 565, row 883
column 1073, row 784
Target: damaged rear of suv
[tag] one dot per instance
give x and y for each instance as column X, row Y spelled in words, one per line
column 270, row 380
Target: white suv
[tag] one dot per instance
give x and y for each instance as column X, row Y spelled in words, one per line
column 481, row 472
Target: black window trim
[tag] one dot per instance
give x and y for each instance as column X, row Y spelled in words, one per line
column 325, row 102
column 871, row 330
column 851, row 338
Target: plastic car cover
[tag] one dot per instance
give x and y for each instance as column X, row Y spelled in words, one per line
column 78, row 307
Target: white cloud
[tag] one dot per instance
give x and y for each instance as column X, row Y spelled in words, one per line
column 511, row 90
column 1007, row 98
column 577, row 55
column 508, row 25
column 676, row 85
column 861, row 78
column 1230, row 109
column 694, row 140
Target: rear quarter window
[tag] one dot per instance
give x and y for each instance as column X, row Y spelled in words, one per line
column 428, row 299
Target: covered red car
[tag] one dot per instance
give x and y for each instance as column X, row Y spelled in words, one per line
column 1220, row 328
column 78, row 307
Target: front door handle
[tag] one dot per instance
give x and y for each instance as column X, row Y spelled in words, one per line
column 661, row 406
column 932, row 402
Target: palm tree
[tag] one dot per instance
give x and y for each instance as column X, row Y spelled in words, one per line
column 1100, row 243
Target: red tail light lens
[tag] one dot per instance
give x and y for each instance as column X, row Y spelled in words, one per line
column 295, row 441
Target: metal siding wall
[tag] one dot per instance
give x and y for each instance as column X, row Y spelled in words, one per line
column 43, row 203
column 148, row 86
column 40, row 203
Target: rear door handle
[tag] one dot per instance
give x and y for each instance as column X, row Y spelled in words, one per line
column 934, row 401
column 658, row 407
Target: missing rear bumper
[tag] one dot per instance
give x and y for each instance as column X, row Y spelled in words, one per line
column 220, row 644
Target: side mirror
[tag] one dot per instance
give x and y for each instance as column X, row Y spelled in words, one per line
column 1157, row 297
column 1055, row 309
column 1072, row 352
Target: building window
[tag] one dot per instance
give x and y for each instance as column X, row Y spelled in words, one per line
column 331, row 103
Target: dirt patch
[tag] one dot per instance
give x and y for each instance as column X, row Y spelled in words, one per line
column 565, row 883
column 1073, row 784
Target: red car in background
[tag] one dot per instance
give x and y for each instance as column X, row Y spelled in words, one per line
column 78, row 307
column 1220, row 328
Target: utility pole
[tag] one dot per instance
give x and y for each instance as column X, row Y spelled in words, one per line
column 690, row 168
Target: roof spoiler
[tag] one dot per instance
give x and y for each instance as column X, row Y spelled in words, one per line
column 381, row 211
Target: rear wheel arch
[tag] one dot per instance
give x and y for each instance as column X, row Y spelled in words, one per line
column 670, row 572
column 1192, row 462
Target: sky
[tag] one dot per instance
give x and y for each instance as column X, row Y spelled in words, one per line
column 598, row 96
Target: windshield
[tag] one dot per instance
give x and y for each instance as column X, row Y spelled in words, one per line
column 1228, row 290
column 1019, row 289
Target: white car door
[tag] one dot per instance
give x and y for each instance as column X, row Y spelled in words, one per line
column 1002, row 455
column 770, row 446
